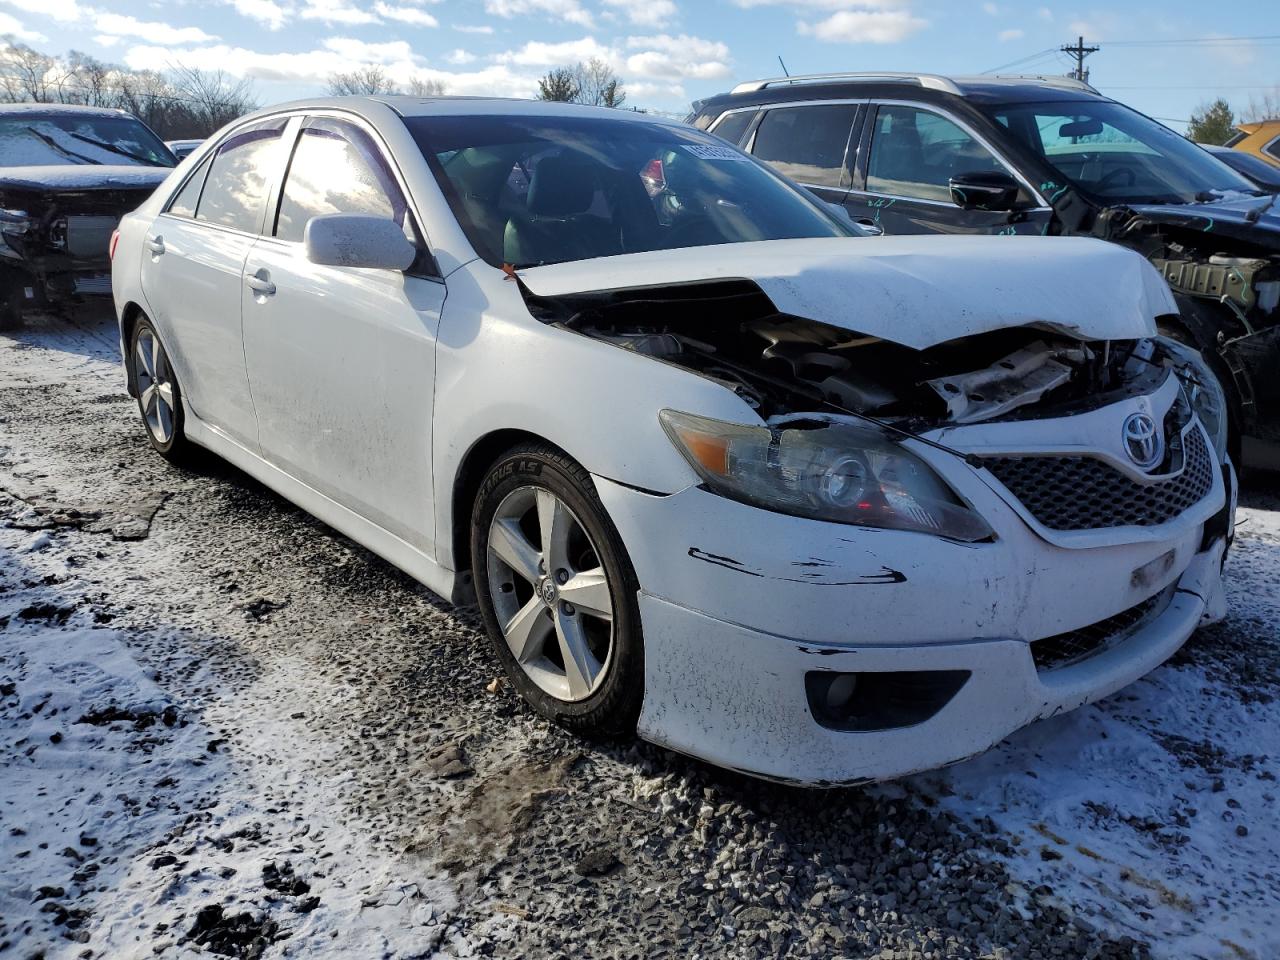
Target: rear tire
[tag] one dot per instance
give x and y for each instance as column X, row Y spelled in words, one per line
column 159, row 394
column 557, row 592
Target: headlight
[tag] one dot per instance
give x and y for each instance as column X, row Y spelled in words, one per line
column 1206, row 395
column 834, row 471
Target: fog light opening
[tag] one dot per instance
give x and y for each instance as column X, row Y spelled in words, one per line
column 880, row 701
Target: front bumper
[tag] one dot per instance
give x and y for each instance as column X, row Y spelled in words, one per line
column 736, row 697
column 739, row 605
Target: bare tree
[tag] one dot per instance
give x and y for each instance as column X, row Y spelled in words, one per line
column 213, row 98
column 418, row 87
column 1263, row 107
column 361, row 82
column 598, row 85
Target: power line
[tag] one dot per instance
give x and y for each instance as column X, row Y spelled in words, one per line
column 1024, row 60
column 1189, row 40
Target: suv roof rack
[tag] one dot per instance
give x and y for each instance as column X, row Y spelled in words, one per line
column 1049, row 80
column 932, row 81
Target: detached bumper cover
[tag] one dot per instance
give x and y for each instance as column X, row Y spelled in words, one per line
column 736, row 697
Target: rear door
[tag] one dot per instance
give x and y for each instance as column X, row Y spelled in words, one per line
column 193, row 273
column 810, row 144
column 341, row 359
column 902, row 185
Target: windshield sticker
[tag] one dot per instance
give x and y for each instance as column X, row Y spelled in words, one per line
column 709, row 151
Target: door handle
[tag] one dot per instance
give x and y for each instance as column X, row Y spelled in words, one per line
column 155, row 245
column 870, row 225
column 260, row 283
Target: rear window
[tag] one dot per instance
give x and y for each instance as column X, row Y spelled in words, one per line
column 242, row 171
column 35, row 140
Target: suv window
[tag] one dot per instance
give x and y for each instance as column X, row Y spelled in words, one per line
column 336, row 168
column 915, row 153
column 733, row 125
column 807, row 144
column 235, row 193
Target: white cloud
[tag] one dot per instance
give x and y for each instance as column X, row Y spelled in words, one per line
column 103, row 40
column 570, row 11
column 460, row 56
column 645, row 88
column 410, row 15
column 647, row 13
column 361, row 51
column 1045, row 13
column 464, row 28
column 683, row 57
column 864, row 26
column 12, row 26
column 537, row 53
column 64, row 11
column 1012, row 34
column 336, row 11
column 267, row 12
column 118, row 25
column 991, row 9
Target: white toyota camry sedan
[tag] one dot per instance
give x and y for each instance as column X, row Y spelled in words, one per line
column 815, row 506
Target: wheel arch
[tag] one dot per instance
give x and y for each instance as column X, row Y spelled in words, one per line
column 466, row 484
column 129, row 318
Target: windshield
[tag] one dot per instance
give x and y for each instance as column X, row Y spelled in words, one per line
column 1116, row 155
column 532, row 190
column 58, row 140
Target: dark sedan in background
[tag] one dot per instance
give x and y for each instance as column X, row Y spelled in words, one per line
column 67, row 175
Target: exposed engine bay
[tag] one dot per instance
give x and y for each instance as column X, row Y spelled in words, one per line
column 731, row 332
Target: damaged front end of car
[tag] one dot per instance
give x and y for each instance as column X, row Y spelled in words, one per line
column 1222, row 262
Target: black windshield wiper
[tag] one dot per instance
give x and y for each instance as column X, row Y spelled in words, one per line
column 63, row 150
column 114, row 149
column 1255, row 213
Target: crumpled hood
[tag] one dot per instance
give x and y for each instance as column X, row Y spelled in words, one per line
column 916, row 291
column 87, row 176
column 1229, row 217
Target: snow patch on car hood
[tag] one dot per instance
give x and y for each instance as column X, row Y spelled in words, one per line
column 916, row 291
column 82, row 177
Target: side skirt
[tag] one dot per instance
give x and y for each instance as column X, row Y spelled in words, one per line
column 436, row 578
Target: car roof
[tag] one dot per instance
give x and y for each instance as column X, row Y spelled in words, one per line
column 68, row 109
column 371, row 107
column 927, row 87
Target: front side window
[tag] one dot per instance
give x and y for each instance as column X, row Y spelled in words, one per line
column 807, row 144
column 69, row 139
column 530, row 190
column 915, row 153
column 1116, row 155
column 240, row 176
column 336, row 168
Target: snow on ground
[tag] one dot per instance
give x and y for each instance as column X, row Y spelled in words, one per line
column 121, row 808
column 1155, row 810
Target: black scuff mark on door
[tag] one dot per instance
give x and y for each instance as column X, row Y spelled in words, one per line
column 885, row 575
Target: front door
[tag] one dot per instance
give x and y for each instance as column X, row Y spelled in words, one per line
column 342, row 359
column 904, row 184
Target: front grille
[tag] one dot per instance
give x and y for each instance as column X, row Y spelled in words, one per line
column 1085, row 493
column 1052, row 653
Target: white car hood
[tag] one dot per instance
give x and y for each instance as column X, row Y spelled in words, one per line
column 916, row 291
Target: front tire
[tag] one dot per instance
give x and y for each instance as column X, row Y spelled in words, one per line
column 159, row 394
column 557, row 592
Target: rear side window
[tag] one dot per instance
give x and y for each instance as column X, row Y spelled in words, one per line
column 337, row 168
column 240, row 176
column 733, row 125
column 184, row 204
column 807, row 144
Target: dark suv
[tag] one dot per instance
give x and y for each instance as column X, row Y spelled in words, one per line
column 921, row 153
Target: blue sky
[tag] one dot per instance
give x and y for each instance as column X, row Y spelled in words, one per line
column 671, row 51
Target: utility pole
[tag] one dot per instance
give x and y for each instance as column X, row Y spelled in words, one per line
column 1080, row 51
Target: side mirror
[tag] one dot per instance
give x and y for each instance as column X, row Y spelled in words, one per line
column 352, row 240
column 990, row 190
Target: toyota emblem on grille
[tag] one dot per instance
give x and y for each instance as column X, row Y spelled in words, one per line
column 1142, row 440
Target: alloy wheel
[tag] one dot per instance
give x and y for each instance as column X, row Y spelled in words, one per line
column 550, row 593
column 155, row 385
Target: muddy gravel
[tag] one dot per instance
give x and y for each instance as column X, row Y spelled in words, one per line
column 375, row 771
